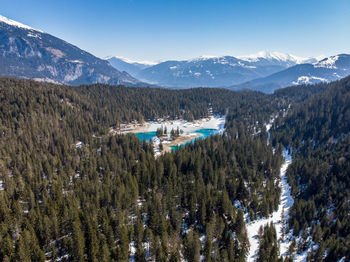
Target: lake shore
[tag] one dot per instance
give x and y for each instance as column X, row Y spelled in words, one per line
column 187, row 130
column 188, row 127
column 167, row 146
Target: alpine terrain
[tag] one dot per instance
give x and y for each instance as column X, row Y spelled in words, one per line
column 30, row 53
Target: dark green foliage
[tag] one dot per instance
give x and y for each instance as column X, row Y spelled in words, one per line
column 318, row 130
column 92, row 202
column 96, row 201
column 268, row 247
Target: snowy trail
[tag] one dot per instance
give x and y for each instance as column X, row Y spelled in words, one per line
column 286, row 202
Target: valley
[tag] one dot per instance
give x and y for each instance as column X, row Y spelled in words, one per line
column 192, row 158
column 222, row 187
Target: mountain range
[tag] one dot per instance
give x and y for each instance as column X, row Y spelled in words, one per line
column 30, row 53
column 210, row 71
column 264, row 71
column 329, row 69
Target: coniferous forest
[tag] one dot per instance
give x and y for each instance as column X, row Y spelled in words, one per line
column 111, row 199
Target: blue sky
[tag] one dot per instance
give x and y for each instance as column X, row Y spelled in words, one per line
column 168, row 29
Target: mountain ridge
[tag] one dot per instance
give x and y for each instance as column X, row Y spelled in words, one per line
column 327, row 70
column 209, row 71
column 31, row 53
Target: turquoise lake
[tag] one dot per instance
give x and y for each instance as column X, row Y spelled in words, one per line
column 146, row 136
column 204, row 132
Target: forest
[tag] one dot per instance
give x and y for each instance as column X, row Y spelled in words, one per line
column 112, row 200
column 318, row 132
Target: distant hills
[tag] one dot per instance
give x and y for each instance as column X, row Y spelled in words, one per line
column 26, row 52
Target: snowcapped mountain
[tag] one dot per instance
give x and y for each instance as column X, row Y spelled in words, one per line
column 326, row 70
column 30, row 53
column 210, row 71
column 277, row 57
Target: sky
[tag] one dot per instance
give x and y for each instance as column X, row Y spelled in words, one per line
column 158, row 30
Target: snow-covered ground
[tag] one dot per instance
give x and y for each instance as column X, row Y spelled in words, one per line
column 268, row 128
column 286, row 202
column 132, row 251
column 213, row 122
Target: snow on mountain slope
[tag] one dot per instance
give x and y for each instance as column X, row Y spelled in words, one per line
column 292, row 59
column 17, row 24
column 328, row 69
column 307, row 80
column 30, row 53
column 329, row 62
column 211, row 71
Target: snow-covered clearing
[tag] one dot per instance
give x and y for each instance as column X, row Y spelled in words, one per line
column 213, row 122
column 286, row 202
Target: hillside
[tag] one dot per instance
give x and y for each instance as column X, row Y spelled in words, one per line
column 318, row 131
column 110, row 199
column 30, row 53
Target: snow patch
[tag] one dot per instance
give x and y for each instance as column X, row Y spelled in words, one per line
column 75, row 74
column 79, row 144
column 57, row 53
column 132, row 251
column 30, row 34
column 309, row 80
column 245, row 66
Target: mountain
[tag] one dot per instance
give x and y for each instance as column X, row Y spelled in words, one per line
column 132, row 67
column 30, row 53
column 212, row 71
column 327, row 70
column 277, row 58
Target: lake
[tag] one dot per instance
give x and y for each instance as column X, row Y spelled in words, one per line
column 146, row 136
column 204, row 132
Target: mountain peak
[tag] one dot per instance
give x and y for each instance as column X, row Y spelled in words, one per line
column 328, row 62
column 17, row 24
column 274, row 55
